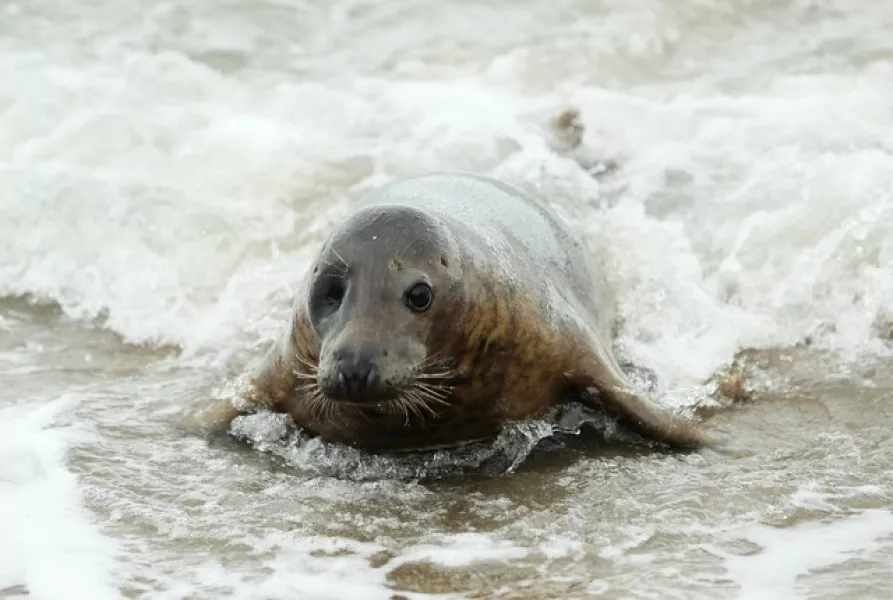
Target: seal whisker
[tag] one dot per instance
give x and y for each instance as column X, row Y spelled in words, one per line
column 429, row 400
column 399, row 405
column 435, row 384
column 435, row 361
column 434, row 400
column 307, row 376
column 318, row 404
column 306, row 362
column 437, row 370
column 390, row 407
column 330, row 408
column 425, row 404
column 416, row 403
column 436, row 376
column 312, row 404
column 407, row 407
column 404, row 405
column 438, row 392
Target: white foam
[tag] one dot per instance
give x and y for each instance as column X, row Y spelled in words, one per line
column 48, row 544
column 186, row 220
column 759, row 261
column 791, row 553
column 314, row 568
column 749, row 221
column 463, row 549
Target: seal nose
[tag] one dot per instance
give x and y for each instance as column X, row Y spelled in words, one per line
column 358, row 377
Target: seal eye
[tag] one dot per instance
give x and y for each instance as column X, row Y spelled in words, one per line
column 419, row 297
column 334, row 294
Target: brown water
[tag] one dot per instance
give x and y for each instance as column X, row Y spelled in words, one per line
column 166, row 171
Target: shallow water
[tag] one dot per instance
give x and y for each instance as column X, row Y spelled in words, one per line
column 167, row 169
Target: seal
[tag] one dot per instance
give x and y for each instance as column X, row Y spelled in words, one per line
column 445, row 307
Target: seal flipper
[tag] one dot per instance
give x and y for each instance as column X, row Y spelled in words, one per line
column 609, row 390
column 253, row 391
column 212, row 419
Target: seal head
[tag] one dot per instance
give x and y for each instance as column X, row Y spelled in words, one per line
column 375, row 291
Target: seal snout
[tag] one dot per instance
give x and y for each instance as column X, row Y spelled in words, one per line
column 355, row 377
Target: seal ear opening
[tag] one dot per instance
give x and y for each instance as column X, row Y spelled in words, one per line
column 609, row 390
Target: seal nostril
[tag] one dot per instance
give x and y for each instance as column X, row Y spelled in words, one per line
column 357, row 378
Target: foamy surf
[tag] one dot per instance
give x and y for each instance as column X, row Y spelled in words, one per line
column 200, row 259
column 805, row 550
column 50, row 544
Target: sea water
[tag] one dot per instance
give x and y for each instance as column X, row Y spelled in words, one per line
column 168, row 169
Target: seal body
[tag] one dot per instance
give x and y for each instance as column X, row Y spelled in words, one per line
column 446, row 306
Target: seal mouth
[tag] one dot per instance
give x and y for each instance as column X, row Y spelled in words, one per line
column 406, row 404
column 428, row 390
column 414, row 402
column 375, row 402
column 361, row 399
